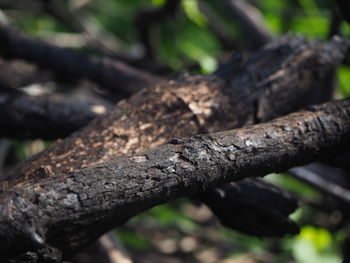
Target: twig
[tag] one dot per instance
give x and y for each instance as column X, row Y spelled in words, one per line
column 308, row 176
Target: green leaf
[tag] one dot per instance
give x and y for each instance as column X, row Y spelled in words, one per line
column 192, row 11
column 133, row 239
column 320, row 238
column 158, row 3
column 344, row 81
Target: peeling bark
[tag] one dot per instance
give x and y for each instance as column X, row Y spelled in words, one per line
column 44, row 215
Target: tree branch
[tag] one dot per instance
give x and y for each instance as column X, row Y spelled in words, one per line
column 43, row 216
column 16, row 74
column 271, row 82
column 110, row 74
column 250, row 21
column 314, row 176
column 47, row 116
column 241, row 92
column 263, row 208
column 268, row 84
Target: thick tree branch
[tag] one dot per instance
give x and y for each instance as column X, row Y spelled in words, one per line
column 46, row 116
column 270, row 83
column 110, row 74
column 274, row 81
column 41, row 216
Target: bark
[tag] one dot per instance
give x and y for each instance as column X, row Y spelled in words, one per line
column 239, row 94
column 108, row 73
column 46, row 116
column 268, row 84
column 43, row 216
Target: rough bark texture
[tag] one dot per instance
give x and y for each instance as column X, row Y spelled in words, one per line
column 270, row 83
column 46, row 116
column 42, row 215
column 110, row 74
column 238, row 94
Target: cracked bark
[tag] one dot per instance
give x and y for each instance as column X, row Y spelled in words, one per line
column 283, row 72
column 42, row 215
column 272, row 82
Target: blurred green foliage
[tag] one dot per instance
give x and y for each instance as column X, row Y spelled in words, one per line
column 187, row 40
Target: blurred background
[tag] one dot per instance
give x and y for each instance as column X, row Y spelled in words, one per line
column 193, row 36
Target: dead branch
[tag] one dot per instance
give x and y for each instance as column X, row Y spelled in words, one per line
column 270, row 83
column 15, row 74
column 48, row 116
column 242, row 92
column 110, row 74
column 44, row 216
column 317, row 178
column 153, row 116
